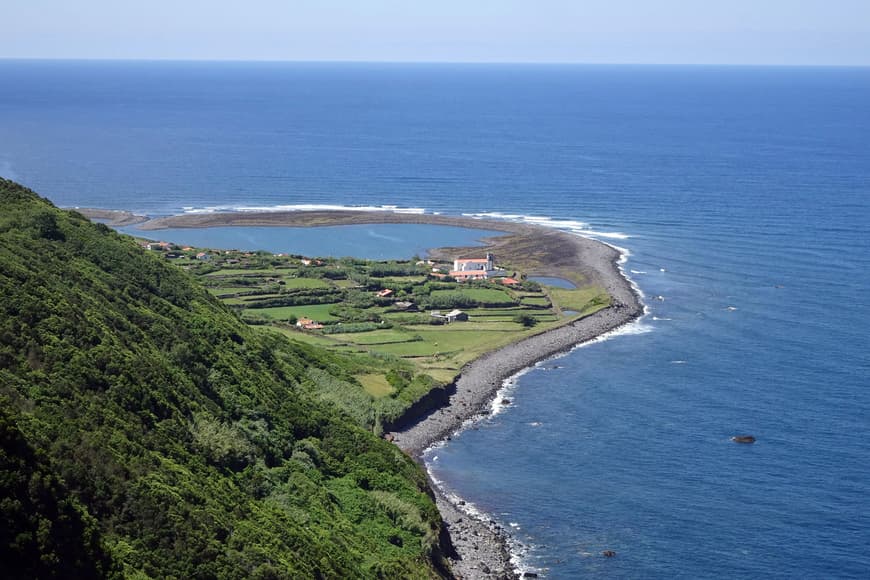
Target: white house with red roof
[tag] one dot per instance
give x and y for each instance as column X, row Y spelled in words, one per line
column 475, row 268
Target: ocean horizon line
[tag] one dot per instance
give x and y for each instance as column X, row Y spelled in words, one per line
column 437, row 62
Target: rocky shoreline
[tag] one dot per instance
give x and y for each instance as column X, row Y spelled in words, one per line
column 477, row 547
column 481, row 546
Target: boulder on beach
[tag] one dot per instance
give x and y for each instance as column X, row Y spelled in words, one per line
column 743, row 439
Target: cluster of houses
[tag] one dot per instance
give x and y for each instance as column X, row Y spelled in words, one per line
column 475, row 268
column 173, row 251
column 463, row 269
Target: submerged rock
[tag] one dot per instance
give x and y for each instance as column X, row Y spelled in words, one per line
column 743, row 439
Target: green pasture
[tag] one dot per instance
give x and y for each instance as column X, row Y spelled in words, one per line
column 306, row 337
column 375, row 385
column 583, row 300
column 377, row 337
column 294, row 283
column 318, row 312
column 276, row 272
column 221, row 290
column 484, row 295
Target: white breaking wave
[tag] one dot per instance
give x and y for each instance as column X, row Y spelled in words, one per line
column 574, row 226
column 630, row 329
column 302, row 207
column 508, row 386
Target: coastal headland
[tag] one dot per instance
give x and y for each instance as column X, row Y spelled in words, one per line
column 481, row 547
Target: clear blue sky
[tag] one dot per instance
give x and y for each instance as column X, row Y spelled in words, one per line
column 600, row 31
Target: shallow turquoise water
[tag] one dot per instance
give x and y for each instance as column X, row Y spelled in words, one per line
column 371, row 241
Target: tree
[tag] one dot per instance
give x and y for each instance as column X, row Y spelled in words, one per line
column 525, row 319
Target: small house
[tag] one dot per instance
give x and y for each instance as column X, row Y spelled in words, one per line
column 452, row 316
column 308, row 324
column 457, row 315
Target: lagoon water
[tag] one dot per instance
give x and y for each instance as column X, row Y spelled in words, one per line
column 743, row 195
column 370, row 241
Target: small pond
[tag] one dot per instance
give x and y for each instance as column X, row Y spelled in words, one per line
column 555, row 282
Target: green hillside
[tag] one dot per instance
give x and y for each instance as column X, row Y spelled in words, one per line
column 147, row 432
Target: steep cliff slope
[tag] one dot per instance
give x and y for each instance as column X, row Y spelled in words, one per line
column 146, row 431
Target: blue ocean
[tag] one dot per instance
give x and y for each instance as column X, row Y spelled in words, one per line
column 741, row 196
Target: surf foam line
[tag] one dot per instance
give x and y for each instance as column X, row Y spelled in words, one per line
column 517, row 551
column 301, row 207
column 573, row 226
column 520, row 553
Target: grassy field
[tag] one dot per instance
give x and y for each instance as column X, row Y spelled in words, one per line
column 249, row 272
column 306, row 337
column 293, row 283
column 317, row 312
column 219, row 290
column 376, row 385
column 583, row 300
column 482, row 295
column 376, row 337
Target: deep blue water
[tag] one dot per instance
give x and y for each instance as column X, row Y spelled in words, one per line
column 744, row 196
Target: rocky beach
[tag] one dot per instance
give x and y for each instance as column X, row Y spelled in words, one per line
column 481, row 546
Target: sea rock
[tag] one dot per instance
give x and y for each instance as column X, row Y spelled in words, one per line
column 608, row 553
column 743, row 439
column 505, row 401
column 530, row 575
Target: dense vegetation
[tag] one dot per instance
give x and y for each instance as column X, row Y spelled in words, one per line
column 147, row 432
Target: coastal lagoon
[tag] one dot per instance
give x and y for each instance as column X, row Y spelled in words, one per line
column 369, row 241
column 741, row 194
